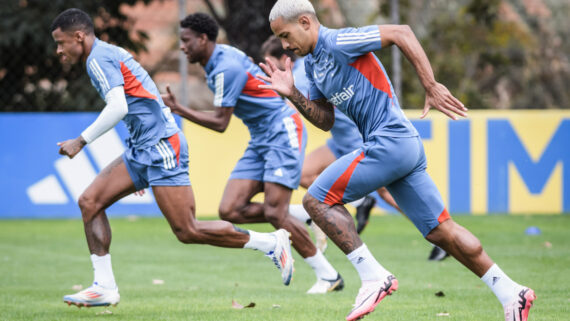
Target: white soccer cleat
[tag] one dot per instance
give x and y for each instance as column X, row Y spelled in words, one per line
column 370, row 294
column 94, row 296
column 320, row 237
column 323, row 286
column 518, row 309
column 281, row 255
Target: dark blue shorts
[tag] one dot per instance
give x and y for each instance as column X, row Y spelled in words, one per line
column 164, row 164
column 340, row 150
column 399, row 163
column 277, row 157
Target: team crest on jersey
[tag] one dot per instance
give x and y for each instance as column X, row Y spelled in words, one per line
column 342, row 96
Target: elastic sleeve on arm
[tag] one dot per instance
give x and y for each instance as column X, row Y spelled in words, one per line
column 113, row 112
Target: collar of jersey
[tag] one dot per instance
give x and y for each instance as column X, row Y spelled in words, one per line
column 320, row 40
column 211, row 64
column 95, row 43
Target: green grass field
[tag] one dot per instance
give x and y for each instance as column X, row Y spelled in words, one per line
column 42, row 259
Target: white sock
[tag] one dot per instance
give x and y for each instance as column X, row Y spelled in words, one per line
column 366, row 265
column 323, row 269
column 504, row 288
column 264, row 242
column 103, row 272
column 357, row 203
column 299, row 212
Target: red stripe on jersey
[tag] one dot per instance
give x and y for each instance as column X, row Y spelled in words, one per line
column 133, row 87
column 174, row 141
column 369, row 68
column 336, row 192
column 444, row 216
column 299, row 124
column 252, row 88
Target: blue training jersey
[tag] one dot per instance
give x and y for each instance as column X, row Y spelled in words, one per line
column 299, row 76
column 343, row 69
column 344, row 132
column 231, row 76
column 148, row 119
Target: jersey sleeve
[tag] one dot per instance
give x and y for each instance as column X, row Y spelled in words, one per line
column 314, row 92
column 228, row 85
column 355, row 42
column 105, row 73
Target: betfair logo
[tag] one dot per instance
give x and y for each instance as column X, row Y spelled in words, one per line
column 342, row 96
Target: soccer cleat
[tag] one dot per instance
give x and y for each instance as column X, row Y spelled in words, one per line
column 281, row 255
column 370, row 294
column 437, row 254
column 519, row 308
column 363, row 213
column 324, row 286
column 94, row 296
column 320, row 237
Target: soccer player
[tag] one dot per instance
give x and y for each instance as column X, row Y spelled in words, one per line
column 343, row 72
column 157, row 155
column 274, row 156
column 345, row 138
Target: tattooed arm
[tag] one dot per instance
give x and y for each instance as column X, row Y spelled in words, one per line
column 319, row 112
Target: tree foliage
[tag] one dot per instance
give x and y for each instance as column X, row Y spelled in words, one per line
column 246, row 23
column 31, row 77
column 491, row 53
column 495, row 61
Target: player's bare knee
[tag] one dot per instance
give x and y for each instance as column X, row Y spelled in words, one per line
column 310, row 203
column 275, row 210
column 226, row 213
column 433, row 238
column 306, row 180
column 88, row 206
column 445, row 232
column 187, row 235
column 440, row 235
column 275, row 214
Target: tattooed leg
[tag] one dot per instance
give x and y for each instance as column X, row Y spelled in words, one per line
column 335, row 221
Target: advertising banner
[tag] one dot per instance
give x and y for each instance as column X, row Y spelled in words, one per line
column 494, row 162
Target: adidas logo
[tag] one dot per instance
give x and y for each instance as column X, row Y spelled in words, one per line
column 74, row 175
column 496, row 279
column 360, row 259
column 278, row 172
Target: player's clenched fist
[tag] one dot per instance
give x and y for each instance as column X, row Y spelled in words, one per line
column 71, row 147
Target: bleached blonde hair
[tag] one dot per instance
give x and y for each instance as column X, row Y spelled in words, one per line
column 291, row 9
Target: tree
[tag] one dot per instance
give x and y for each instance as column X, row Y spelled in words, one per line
column 31, row 78
column 489, row 53
column 501, row 54
column 247, row 27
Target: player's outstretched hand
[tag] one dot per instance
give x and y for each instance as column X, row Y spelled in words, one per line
column 279, row 80
column 139, row 193
column 71, row 147
column 439, row 97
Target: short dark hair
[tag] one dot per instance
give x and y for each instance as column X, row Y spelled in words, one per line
column 273, row 47
column 201, row 23
column 73, row 19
